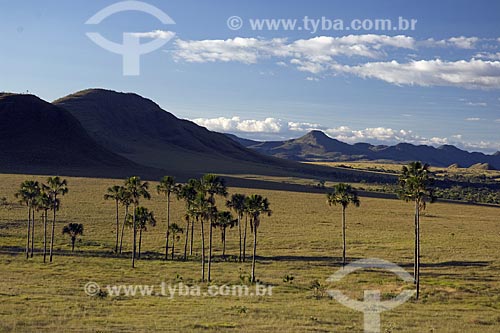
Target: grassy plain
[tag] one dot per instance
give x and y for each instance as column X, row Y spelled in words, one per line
column 460, row 273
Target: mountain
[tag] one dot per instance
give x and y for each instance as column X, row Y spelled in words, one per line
column 138, row 129
column 241, row 141
column 317, row 146
column 314, row 146
column 36, row 136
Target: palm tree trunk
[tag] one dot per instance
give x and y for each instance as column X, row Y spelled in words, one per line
column 45, row 237
column 192, row 238
column 135, row 239
column 239, row 232
column 32, row 233
column 415, row 246
column 28, row 234
column 168, row 226
column 245, row 238
column 186, row 240
column 343, row 236
column 224, row 243
column 254, row 252
column 418, row 252
column 202, row 252
column 117, row 227
column 53, row 232
column 173, row 246
column 123, row 228
column 209, row 250
column 73, row 244
column 140, row 243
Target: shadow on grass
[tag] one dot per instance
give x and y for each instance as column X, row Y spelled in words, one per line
column 150, row 255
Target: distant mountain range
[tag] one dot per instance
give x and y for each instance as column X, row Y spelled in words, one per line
column 317, row 146
column 103, row 133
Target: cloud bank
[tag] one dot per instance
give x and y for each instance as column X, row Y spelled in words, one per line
column 278, row 129
column 331, row 56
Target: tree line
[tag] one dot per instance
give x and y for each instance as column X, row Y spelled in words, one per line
column 201, row 210
column 200, row 198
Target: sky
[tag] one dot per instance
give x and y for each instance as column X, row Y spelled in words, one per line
column 312, row 65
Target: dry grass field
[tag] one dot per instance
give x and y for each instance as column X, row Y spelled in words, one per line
column 302, row 239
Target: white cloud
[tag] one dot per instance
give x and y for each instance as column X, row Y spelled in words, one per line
column 236, row 124
column 277, row 129
column 310, row 78
column 317, row 50
column 461, row 42
column 487, row 55
column 482, row 104
column 157, row 34
column 322, row 54
column 473, row 74
column 473, row 119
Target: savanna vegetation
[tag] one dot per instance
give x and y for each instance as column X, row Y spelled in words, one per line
column 294, row 247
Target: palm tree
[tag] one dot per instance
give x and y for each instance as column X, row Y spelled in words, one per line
column 137, row 190
column 188, row 193
column 55, row 186
column 344, row 195
column 237, row 203
column 167, row 186
column 44, row 203
column 174, row 230
column 73, row 230
column 202, row 211
column 143, row 218
column 113, row 193
column 27, row 194
column 256, row 205
column 212, row 185
column 416, row 184
column 125, row 200
column 223, row 220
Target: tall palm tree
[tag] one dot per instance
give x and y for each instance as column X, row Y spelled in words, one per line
column 202, row 211
column 167, row 186
column 256, row 205
column 113, row 193
column 237, row 204
column 416, row 184
column 137, row 190
column 188, row 193
column 126, row 201
column 224, row 220
column 187, row 218
column 143, row 218
column 212, row 185
column 44, row 203
column 27, row 194
column 55, row 187
column 343, row 195
column 175, row 230
column 73, row 230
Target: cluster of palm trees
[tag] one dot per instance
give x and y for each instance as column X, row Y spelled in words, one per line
column 416, row 185
column 41, row 198
column 201, row 209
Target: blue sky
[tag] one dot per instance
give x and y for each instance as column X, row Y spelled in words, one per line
column 438, row 84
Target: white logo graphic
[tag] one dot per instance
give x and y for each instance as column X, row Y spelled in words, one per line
column 371, row 306
column 131, row 49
